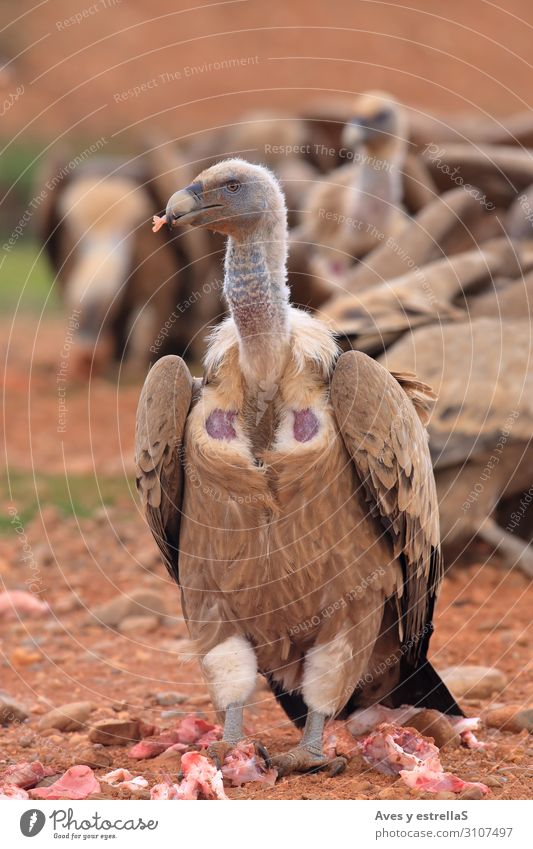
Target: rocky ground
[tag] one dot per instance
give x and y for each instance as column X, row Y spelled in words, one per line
column 113, row 637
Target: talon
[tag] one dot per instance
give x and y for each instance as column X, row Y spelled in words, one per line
column 336, row 766
column 217, row 751
column 263, row 753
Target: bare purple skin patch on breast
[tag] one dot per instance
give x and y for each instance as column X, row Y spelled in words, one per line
column 306, row 425
column 219, row 425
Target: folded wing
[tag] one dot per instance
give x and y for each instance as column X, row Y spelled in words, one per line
column 381, row 418
column 160, row 424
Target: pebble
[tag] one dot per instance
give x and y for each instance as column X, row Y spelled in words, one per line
column 115, row 732
column 199, row 701
column 94, row 757
column 385, row 793
column 504, row 718
column 494, row 781
column 22, row 657
column 170, row 698
column 434, row 724
column 445, row 794
column 472, row 793
column 143, row 602
column 172, row 714
column 133, row 625
column 524, row 719
column 473, row 681
column 70, row 717
column 11, row 710
column 67, row 605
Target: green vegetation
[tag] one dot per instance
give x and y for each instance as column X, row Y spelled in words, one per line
column 75, row 495
column 25, row 275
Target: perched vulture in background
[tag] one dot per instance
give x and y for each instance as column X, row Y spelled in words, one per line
column 357, row 206
column 122, row 283
column 290, row 492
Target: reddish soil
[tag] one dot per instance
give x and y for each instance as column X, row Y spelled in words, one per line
column 484, row 613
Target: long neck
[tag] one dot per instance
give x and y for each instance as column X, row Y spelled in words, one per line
column 256, row 289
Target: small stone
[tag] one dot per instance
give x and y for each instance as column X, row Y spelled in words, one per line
column 472, row 793
column 43, row 554
column 504, row 718
column 445, row 794
column 170, row 698
column 434, row 724
column 70, row 717
column 494, row 781
column 143, row 602
column 11, row 710
column 473, row 681
column 26, row 740
column 385, row 793
column 22, row 657
column 199, row 701
column 524, row 719
column 134, row 625
column 115, row 732
column 172, row 714
column 94, row 757
column 67, row 605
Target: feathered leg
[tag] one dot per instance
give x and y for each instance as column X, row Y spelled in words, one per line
column 230, row 670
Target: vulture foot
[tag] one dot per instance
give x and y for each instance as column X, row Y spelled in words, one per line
column 220, row 749
column 302, row 759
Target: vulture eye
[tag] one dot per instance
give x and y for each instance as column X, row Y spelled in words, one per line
column 233, row 186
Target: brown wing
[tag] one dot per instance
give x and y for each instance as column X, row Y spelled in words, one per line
column 160, row 424
column 380, row 417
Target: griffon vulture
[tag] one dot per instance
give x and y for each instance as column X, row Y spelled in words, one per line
column 290, row 492
column 105, row 261
column 355, row 207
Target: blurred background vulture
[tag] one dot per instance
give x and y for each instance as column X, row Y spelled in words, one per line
column 289, row 480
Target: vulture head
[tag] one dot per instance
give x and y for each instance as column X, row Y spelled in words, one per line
column 377, row 118
column 233, row 197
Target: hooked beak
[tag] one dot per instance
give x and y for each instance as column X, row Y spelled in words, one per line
column 185, row 205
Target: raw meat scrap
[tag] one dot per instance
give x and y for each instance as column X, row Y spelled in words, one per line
column 338, row 740
column 124, row 778
column 201, row 780
column 393, row 750
column 165, row 790
column 25, row 774
column 363, row 721
column 191, row 731
column 242, row 765
column 11, row 791
column 78, row 782
column 15, row 603
column 158, row 221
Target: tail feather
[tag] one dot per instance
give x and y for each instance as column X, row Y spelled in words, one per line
column 423, row 687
